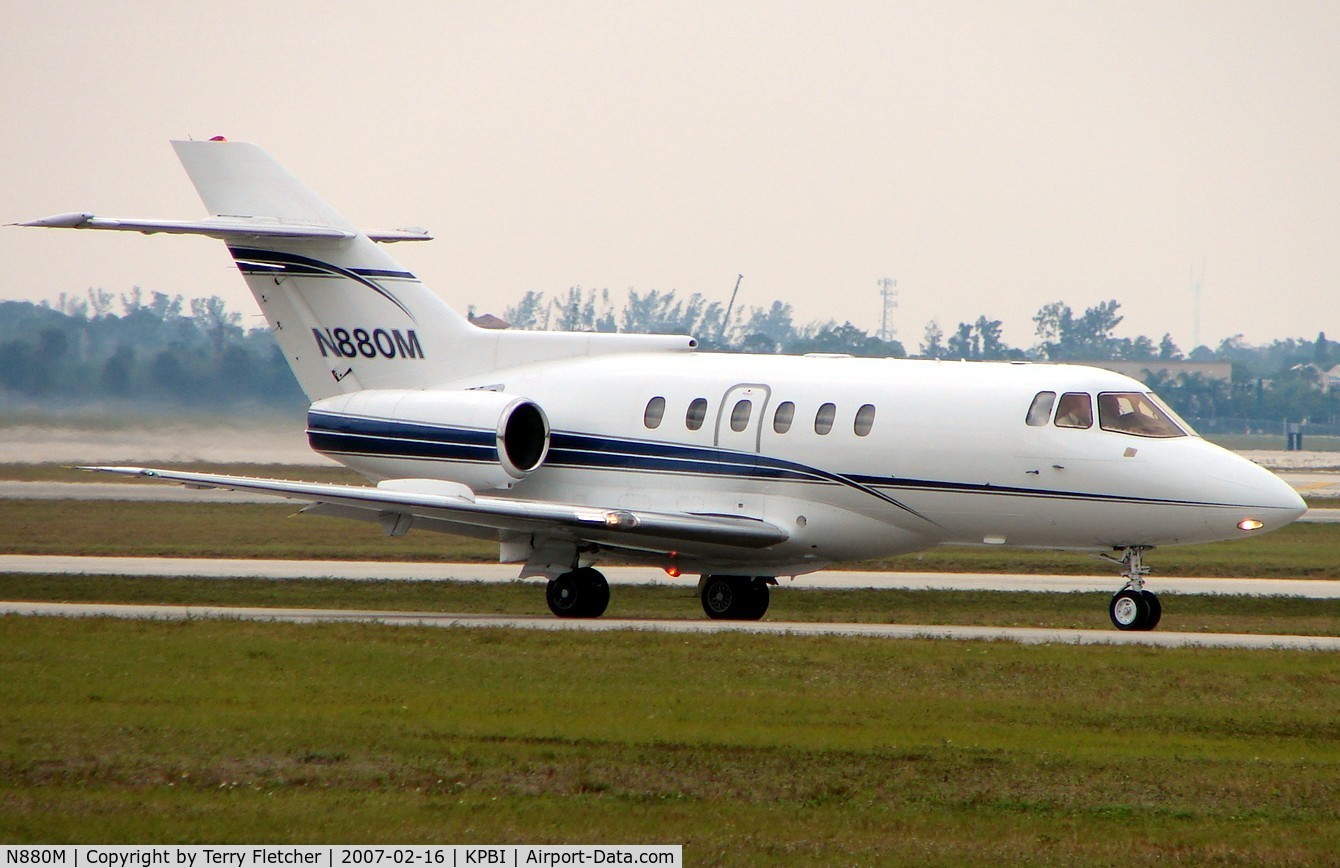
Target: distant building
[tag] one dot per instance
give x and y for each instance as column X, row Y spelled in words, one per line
column 1171, row 370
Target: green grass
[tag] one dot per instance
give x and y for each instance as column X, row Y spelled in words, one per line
column 86, row 527
column 1182, row 612
column 776, row 750
column 275, row 531
column 781, row 750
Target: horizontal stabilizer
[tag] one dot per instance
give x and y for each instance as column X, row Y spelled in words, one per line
column 225, row 228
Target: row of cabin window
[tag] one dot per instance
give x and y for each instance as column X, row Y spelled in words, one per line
column 740, row 414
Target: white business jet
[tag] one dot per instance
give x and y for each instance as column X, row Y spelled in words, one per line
column 574, row 448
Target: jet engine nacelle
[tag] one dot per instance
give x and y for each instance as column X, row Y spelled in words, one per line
column 479, row 438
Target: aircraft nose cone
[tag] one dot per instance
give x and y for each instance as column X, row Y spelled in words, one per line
column 1290, row 502
column 1276, row 503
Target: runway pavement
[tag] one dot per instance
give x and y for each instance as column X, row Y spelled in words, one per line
column 1026, row 636
column 362, row 571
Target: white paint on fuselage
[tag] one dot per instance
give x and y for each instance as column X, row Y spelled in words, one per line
column 948, row 460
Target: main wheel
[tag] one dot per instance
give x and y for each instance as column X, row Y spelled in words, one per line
column 1155, row 609
column 758, row 599
column 1129, row 610
column 720, row 596
column 735, row 598
column 582, row 593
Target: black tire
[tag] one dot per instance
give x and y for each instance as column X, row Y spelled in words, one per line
column 1155, row 610
column 582, row 593
column 1129, row 610
column 758, row 600
column 721, row 596
column 562, row 595
column 735, row 598
column 595, row 592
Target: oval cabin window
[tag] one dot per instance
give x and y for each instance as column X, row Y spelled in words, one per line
column 651, row 417
column 693, row 420
column 865, row 419
column 785, row 415
column 739, row 417
column 823, row 420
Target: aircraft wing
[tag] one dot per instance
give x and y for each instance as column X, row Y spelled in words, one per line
column 455, row 503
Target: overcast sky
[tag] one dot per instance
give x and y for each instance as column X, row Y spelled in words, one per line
column 990, row 157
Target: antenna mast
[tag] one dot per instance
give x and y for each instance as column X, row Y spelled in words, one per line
column 889, row 293
column 725, row 320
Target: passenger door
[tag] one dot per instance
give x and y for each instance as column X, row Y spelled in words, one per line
column 740, row 418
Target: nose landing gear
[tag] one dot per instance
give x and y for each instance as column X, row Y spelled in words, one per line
column 1133, row 607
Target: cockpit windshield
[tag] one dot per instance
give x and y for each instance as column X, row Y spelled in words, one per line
column 1138, row 413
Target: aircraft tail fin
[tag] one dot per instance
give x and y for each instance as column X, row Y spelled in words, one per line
column 239, row 179
column 345, row 314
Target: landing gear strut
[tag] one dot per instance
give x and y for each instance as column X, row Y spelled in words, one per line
column 1134, row 608
column 581, row 593
column 735, row 598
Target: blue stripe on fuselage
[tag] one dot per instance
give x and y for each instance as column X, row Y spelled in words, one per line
column 342, row 434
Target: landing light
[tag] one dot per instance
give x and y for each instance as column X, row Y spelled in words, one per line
column 621, row 520
column 1250, row 524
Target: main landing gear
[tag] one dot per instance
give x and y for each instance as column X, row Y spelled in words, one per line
column 1134, row 608
column 735, row 598
column 580, row 593
column 584, row 593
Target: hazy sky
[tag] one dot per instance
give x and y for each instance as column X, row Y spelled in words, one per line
column 991, row 157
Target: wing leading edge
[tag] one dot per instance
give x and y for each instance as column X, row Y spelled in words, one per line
column 457, row 504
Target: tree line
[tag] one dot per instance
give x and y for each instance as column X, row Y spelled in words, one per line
column 1280, row 380
column 166, row 349
column 158, row 349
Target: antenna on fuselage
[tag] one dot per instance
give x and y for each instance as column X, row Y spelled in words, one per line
column 725, row 320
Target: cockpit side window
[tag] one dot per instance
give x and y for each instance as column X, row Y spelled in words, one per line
column 1135, row 413
column 1075, row 411
column 1041, row 409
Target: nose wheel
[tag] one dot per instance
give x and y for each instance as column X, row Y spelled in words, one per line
column 1133, row 607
